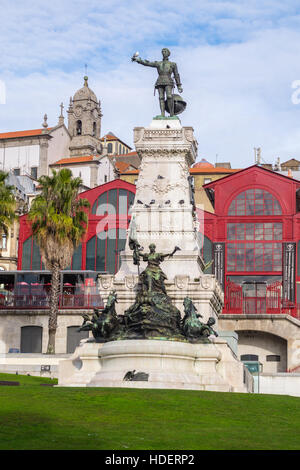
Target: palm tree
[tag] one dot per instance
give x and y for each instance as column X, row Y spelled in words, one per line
column 7, row 204
column 59, row 222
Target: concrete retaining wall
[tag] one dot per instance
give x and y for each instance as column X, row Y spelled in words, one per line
column 280, row 384
column 42, row 365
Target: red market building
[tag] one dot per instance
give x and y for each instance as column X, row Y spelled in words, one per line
column 254, row 239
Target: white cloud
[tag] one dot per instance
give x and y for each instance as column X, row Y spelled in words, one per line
column 237, row 61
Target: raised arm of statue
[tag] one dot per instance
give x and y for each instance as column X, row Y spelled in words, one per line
column 147, row 63
column 173, row 252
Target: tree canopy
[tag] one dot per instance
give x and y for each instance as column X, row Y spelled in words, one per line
column 7, row 204
column 58, row 217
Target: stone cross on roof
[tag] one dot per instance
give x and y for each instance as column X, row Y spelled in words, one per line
column 61, row 118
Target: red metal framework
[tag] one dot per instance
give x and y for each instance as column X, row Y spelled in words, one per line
column 255, row 214
column 254, row 246
column 268, row 300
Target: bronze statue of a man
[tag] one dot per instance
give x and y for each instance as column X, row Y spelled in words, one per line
column 165, row 83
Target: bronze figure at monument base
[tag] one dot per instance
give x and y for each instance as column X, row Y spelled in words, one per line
column 153, row 315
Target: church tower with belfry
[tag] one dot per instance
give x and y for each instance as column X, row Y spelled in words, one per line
column 84, row 122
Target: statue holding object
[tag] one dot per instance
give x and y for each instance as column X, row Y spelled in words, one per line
column 168, row 101
column 152, row 314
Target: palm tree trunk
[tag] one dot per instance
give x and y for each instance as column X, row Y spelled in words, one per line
column 54, row 297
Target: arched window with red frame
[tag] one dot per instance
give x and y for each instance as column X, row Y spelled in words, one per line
column 104, row 247
column 109, row 218
column 254, row 201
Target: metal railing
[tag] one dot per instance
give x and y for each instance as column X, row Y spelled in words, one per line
column 66, row 301
column 261, row 306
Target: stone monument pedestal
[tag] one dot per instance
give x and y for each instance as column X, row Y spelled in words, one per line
column 165, row 364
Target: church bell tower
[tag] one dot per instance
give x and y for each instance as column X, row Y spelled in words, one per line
column 84, row 122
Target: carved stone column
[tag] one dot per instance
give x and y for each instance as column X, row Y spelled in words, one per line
column 163, row 211
column 43, row 166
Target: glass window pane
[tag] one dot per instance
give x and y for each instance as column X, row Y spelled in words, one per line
column 123, row 201
column 76, row 260
column 259, row 258
column 249, row 256
column 111, row 251
column 207, row 252
column 100, row 206
column 130, row 198
column 100, row 256
column 277, row 231
column 268, row 257
column 112, row 202
column 259, row 232
column 231, row 231
column 277, row 208
column 249, row 231
column 240, row 231
column 268, row 209
column 240, row 257
column 231, row 210
column 268, row 231
column 231, row 256
column 36, row 256
column 249, row 203
column 90, row 254
column 26, row 255
column 121, row 245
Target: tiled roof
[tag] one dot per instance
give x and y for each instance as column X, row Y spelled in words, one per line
column 211, row 171
column 122, row 166
column 68, row 160
column 109, row 137
column 203, row 164
column 129, row 154
column 29, row 133
column 131, row 172
column 113, row 137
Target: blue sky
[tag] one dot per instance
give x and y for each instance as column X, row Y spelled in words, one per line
column 237, row 61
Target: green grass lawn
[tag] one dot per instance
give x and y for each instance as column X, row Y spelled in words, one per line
column 39, row 417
